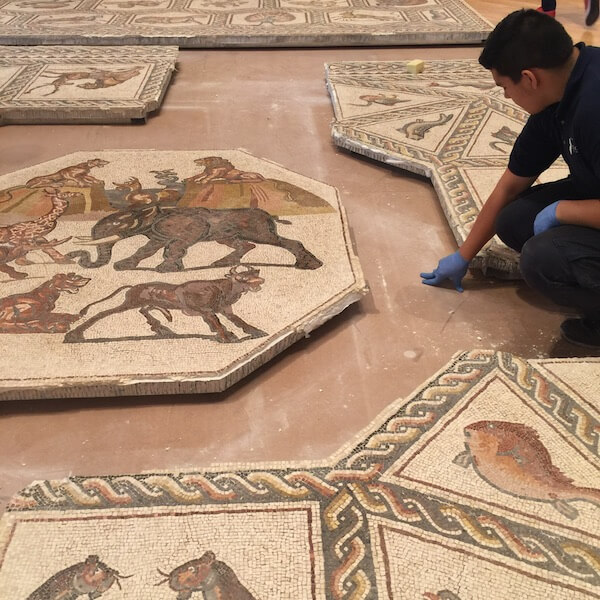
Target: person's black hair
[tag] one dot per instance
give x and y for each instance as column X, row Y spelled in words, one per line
column 526, row 39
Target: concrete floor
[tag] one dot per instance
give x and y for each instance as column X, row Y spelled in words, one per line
column 322, row 391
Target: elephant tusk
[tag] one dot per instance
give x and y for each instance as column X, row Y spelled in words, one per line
column 84, row 238
column 107, row 240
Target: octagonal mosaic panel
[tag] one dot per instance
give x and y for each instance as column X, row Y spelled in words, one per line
column 238, row 23
column 484, row 484
column 82, row 84
column 137, row 272
column 450, row 123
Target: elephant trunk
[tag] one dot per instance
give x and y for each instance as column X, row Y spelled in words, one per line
column 85, row 259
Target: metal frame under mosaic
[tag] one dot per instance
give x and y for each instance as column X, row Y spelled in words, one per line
column 238, row 23
column 449, row 123
column 132, row 272
column 409, row 509
column 82, row 84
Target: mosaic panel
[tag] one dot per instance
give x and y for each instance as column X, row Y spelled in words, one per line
column 238, row 23
column 82, row 84
column 450, row 123
column 484, row 483
column 130, row 272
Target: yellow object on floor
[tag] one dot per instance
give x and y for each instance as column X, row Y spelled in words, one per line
column 415, row 66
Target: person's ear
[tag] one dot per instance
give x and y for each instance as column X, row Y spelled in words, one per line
column 531, row 78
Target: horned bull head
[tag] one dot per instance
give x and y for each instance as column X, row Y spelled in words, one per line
column 247, row 275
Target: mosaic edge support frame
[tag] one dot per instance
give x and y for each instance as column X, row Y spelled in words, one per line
column 358, row 40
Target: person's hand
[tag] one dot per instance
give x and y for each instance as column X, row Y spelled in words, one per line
column 546, row 219
column 453, row 267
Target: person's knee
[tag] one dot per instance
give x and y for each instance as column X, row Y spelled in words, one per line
column 540, row 260
column 507, row 228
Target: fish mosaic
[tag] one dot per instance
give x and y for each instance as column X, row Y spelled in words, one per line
column 512, row 458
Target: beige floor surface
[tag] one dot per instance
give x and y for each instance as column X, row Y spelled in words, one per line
column 314, row 397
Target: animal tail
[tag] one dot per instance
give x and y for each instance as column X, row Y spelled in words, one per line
column 84, row 310
column 167, row 577
column 284, row 221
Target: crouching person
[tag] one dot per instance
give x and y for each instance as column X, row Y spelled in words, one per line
column 555, row 226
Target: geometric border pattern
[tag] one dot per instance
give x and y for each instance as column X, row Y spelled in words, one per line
column 354, row 488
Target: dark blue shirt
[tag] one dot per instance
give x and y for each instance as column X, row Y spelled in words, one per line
column 570, row 128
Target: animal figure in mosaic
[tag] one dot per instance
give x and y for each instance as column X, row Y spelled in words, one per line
column 217, row 167
column 164, row 20
column 202, row 298
column 441, row 595
column 506, row 136
column 31, row 312
column 9, row 253
column 480, row 85
column 439, row 14
column 31, row 234
column 134, row 3
column 511, row 457
column 214, row 578
column 220, row 183
column 136, row 195
column 350, row 15
column 72, row 176
column 175, row 229
column 389, row 100
column 101, row 79
column 43, row 4
column 91, row 577
column 416, row 130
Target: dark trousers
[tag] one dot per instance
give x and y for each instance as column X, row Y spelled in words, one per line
column 562, row 263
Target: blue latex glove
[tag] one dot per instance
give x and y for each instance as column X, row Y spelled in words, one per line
column 546, row 219
column 453, row 267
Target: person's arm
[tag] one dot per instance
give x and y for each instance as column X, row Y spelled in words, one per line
column 509, row 186
column 579, row 212
column 454, row 267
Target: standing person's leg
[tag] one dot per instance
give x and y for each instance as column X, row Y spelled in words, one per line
column 591, row 11
column 548, row 7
